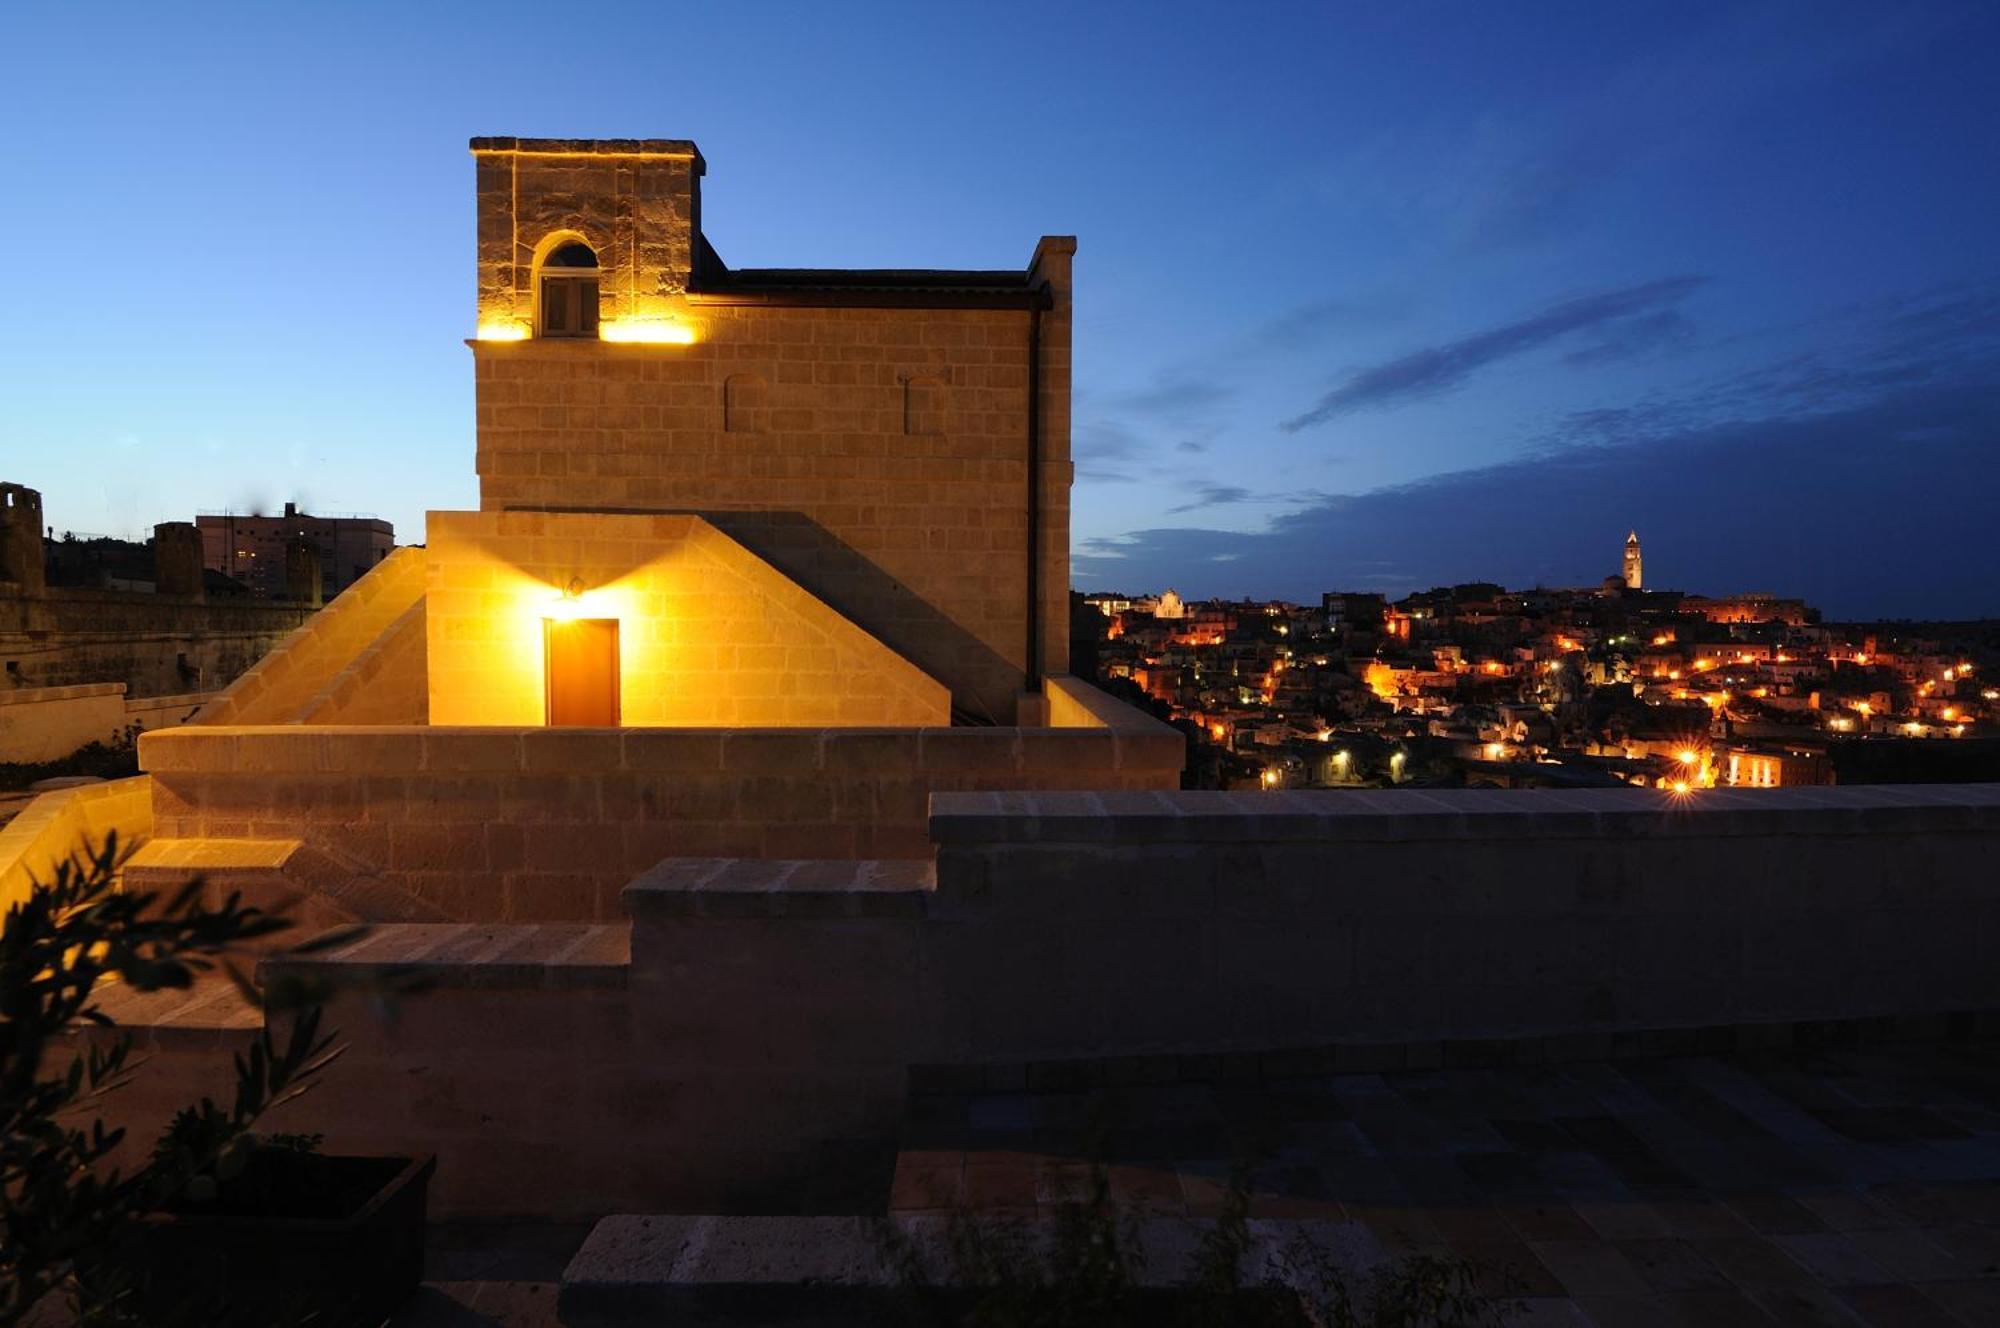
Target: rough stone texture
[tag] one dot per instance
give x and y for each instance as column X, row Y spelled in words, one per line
column 709, row 633
column 21, row 566
column 288, row 681
column 157, row 645
column 636, row 203
column 534, row 824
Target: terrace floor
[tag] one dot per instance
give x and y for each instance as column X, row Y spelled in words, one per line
column 1834, row 1187
column 1856, row 1186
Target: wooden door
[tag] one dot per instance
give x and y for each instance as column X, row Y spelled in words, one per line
column 580, row 657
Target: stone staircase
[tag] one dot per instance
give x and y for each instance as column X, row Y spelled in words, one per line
column 286, row 684
column 317, row 887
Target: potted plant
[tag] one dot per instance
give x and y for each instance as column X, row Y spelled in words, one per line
column 222, row 1225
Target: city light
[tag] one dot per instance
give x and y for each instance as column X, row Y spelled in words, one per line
column 1687, row 756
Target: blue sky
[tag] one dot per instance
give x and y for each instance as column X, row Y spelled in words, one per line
column 1369, row 296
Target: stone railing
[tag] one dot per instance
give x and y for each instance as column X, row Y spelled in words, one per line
column 48, row 723
column 1137, row 922
column 771, row 1007
column 538, row 824
column 67, row 824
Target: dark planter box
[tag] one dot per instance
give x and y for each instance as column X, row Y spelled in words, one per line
column 357, row 1269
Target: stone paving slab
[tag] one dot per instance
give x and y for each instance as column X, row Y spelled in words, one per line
column 1849, row 1186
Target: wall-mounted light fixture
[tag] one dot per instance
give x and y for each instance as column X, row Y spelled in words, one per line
column 646, row 331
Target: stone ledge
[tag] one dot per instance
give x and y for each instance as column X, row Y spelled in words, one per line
column 1086, row 1074
column 71, row 692
column 470, row 955
column 781, row 888
column 1139, row 816
column 539, row 750
column 211, row 1013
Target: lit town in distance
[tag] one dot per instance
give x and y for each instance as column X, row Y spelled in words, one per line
column 1609, row 685
column 614, row 711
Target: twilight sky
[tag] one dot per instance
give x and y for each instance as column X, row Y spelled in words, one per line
column 1370, row 296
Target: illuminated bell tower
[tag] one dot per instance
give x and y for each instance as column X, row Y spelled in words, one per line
column 1633, row 572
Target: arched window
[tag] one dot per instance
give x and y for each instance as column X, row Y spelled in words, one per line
column 566, row 301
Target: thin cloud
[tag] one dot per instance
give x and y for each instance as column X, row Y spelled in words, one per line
column 1213, row 495
column 1836, row 474
column 1634, row 337
column 1434, row 369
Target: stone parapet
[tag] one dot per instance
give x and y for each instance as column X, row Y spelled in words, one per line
column 540, row 824
column 1389, row 815
column 1227, row 922
column 67, row 825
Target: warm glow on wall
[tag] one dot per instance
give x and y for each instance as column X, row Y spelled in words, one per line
column 707, row 633
column 507, row 331
column 647, row 331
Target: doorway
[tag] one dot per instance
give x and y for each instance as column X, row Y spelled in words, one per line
column 580, row 668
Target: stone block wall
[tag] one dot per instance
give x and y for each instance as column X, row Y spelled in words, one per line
column 918, row 537
column 157, row 645
column 48, row 723
column 1107, row 924
column 536, row 824
column 709, row 633
column 636, row 203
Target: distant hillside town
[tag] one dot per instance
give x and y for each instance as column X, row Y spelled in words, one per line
column 1604, row 686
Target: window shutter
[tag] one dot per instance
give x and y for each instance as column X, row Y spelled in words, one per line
column 586, row 291
column 555, row 307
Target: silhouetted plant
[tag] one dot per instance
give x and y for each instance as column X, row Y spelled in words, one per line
column 67, row 1219
column 1085, row 1269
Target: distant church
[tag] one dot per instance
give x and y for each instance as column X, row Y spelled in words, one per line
column 1633, row 570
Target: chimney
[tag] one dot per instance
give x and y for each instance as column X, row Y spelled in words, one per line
column 291, row 509
column 21, row 538
column 177, row 559
column 301, row 570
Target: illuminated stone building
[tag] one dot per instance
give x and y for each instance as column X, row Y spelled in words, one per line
column 895, row 442
column 763, row 558
column 1634, row 566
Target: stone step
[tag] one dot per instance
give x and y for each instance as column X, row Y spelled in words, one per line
column 318, row 889
column 212, row 1012
column 643, row 1270
column 471, row 954
column 782, row 887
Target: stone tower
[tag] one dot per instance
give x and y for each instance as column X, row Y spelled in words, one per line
column 177, row 558
column 895, row 441
column 21, row 538
column 1633, row 569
